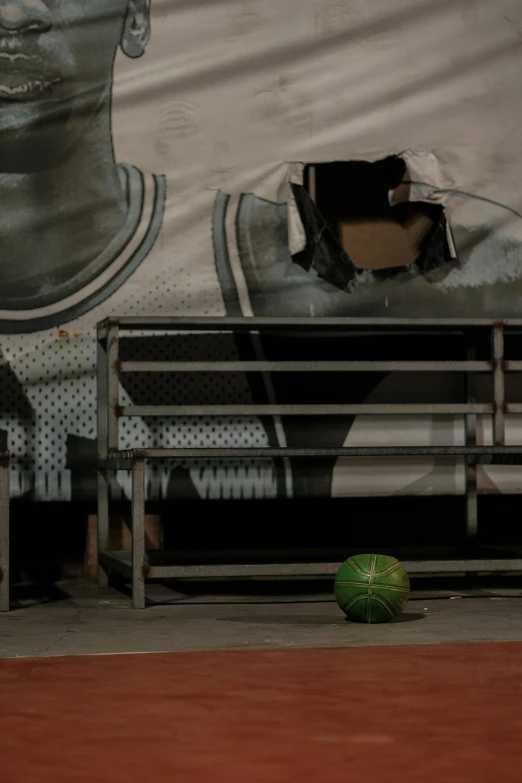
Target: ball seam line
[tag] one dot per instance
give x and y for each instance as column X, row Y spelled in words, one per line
column 373, row 566
column 392, row 588
column 389, row 570
column 356, row 567
column 352, row 602
column 386, row 605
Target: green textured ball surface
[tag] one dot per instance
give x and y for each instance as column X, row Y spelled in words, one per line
column 372, row 588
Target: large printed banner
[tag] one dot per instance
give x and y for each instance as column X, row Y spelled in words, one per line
column 151, row 162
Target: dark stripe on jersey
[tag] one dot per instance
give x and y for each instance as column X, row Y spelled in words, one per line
column 222, row 258
column 63, row 317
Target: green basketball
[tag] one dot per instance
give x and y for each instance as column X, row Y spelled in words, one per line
column 372, row 588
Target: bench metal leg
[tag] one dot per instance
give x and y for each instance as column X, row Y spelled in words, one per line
column 107, row 436
column 103, row 524
column 499, row 386
column 138, row 534
column 470, row 422
column 471, row 502
column 4, row 536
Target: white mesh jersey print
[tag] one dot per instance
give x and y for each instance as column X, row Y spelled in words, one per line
column 48, row 381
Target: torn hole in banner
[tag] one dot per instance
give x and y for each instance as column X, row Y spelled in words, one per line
column 365, row 220
column 297, row 255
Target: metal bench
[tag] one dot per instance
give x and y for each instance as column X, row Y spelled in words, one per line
column 138, row 566
column 4, row 532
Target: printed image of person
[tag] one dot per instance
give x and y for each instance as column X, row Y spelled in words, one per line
column 80, row 240
column 69, row 212
column 84, row 237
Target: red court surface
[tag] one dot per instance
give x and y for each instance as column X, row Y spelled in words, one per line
column 446, row 713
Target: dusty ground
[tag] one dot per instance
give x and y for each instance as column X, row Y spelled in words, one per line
column 77, row 619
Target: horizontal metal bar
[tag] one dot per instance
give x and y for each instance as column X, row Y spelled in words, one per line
column 313, row 324
column 483, row 565
column 345, row 451
column 513, row 408
column 326, row 569
column 290, row 366
column 308, row 410
column 119, row 560
column 512, row 366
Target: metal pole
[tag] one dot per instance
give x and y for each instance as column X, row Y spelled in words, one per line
column 4, row 535
column 102, row 377
column 470, row 421
column 108, row 386
column 499, row 390
column 138, row 534
column 113, row 386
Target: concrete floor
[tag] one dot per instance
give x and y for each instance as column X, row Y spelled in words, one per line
column 77, row 619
